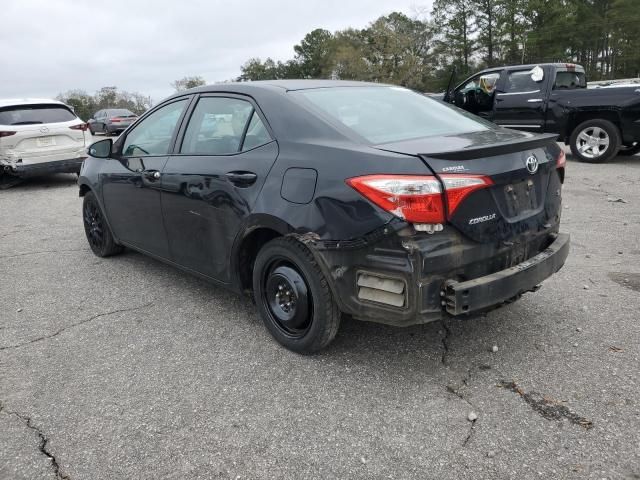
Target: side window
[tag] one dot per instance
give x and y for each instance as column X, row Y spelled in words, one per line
column 153, row 135
column 256, row 134
column 216, row 126
column 569, row 80
column 520, row 81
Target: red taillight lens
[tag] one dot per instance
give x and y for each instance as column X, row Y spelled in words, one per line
column 418, row 198
column 115, row 120
column 6, row 133
column 414, row 198
column 82, row 126
column 562, row 160
column 458, row 187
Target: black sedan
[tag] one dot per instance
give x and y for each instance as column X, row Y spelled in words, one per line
column 325, row 198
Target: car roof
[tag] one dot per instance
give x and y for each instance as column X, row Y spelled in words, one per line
column 11, row 102
column 561, row 66
column 279, row 86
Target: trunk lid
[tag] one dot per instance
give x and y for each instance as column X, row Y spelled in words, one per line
column 525, row 195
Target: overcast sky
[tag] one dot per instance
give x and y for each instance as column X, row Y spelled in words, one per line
column 51, row 46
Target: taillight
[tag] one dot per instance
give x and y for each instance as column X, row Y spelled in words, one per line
column 418, row 198
column 115, row 120
column 458, row 187
column 82, row 126
column 562, row 160
column 4, row 133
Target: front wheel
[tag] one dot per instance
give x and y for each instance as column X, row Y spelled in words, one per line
column 595, row 141
column 293, row 297
column 96, row 228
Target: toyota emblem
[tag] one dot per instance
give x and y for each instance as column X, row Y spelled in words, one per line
column 44, row 129
column 532, row 164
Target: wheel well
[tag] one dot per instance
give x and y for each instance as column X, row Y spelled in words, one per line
column 84, row 189
column 248, row 252
column 611, row 116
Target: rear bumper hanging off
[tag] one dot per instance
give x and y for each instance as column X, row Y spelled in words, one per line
column 484, row 292
column 34, row 169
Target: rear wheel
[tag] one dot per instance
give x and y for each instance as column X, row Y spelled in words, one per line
column 96, row 228
column 630, row 149
column 293, row 297
column 595, row 141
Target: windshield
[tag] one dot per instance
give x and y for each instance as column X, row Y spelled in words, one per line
column 35, row 114
column 390, row 114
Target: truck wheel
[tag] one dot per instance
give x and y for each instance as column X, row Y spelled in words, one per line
column 630, row 149
column 595, row 141
column 96, row 228
column 293, row 296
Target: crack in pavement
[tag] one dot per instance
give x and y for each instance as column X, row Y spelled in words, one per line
column 547, row 407
column 43, row 251
column 42, row 446
column 82, row 322
column 457, row 390
column 445, row 345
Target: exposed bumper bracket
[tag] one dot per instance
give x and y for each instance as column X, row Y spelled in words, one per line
column 484, row 292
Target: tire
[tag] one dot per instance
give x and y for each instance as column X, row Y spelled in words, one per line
column 105, row 130
column 96, row 228
column 293, row 296
column 595, row 141
column 7, row 181
column 628, row 150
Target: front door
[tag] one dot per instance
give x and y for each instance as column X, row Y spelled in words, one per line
column 131, row 181
column 212, row 181
column 520, row 103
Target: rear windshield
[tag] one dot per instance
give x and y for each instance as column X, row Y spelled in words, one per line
column 390, row 114
column 34, row 114
column 121, row 113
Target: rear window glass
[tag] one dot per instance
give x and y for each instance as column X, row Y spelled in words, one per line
column 521, row 81
column 34, row 114
column 121, row 113
column 390, row 114
column 570, row 80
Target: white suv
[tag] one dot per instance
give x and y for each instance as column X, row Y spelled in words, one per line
column 38, row 137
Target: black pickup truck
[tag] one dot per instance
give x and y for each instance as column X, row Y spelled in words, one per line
column 597, row 123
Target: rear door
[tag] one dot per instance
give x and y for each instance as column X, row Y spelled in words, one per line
column 521, row 99
column 212, row 181
column 131, row 182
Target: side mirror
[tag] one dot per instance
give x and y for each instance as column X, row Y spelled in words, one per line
column 101, row 149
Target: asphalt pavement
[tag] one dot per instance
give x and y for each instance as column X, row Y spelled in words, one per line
column 128, row 368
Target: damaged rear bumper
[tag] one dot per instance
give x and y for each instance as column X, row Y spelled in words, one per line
column 417, row 279
column 24, row 170
column 490, row 290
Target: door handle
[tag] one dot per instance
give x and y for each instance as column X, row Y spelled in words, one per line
column 242, row 179
column 534, row 100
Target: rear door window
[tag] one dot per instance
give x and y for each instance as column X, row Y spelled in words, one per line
column 570, row 81
column 217, row 126
column 520, row 81
column 35, row 114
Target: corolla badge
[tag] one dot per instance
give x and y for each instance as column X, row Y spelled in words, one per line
column 532, row 164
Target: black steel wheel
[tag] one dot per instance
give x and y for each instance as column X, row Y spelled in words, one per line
column 96, row 228
column 293, row 296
